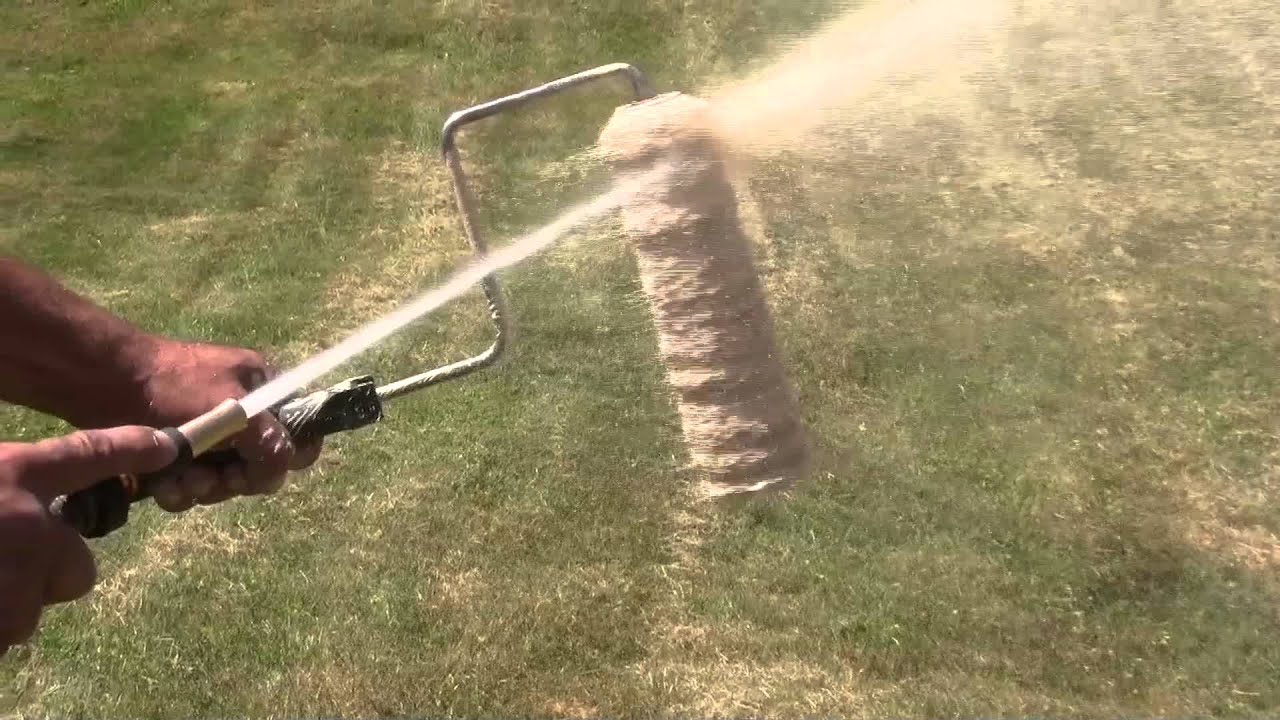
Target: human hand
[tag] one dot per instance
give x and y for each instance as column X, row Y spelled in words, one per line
column 173, row 382
column 185, row 380
column 42, row 560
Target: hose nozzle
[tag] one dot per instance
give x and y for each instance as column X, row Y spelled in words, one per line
column 210, row 429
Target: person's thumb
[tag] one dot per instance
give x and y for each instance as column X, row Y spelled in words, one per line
column 60, row 466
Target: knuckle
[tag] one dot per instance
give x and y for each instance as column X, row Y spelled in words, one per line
column 92, row 444
column 251, row 359
column 258, row 444
column 11, row 464
column 252, row 370
column 272, row 427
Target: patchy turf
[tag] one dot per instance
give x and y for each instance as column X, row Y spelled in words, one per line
column 1034, row 326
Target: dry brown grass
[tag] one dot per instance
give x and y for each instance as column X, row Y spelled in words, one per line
column 725, row 687
column 198, row 533
column 1031, row 314
column 420, row 237
column 342, row 685
column 570, row 709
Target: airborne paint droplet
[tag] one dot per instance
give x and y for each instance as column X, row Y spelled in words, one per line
column 821, row 80
column 825, row 74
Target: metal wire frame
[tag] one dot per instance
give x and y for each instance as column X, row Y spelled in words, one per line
column 467, row 204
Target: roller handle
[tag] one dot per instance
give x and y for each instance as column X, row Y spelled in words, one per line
column 104, row 507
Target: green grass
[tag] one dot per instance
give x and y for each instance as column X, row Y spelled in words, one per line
column 1034, row 329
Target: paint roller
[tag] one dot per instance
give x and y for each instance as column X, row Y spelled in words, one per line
column 739, row 417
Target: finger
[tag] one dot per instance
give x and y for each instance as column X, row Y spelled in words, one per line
column 170, row 496
column 221, row 492
column 304, row 456
column 72, row 571
column 63, row 465
column 20, row 604
column 24, row 561
column 198, row 481
column 267, row 450
column 254, row 372
column 237, row 481
column 221, row 483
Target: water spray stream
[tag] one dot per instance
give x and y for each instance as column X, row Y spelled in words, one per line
column 792, row 96
column 457, row 285
column 743, row 428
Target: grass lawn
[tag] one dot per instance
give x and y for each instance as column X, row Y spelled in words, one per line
column 1034, row 322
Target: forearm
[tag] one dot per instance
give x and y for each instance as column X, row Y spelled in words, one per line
column 60, row 353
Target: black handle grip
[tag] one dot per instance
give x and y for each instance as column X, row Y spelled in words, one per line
column 346, row 406
column 104, row 507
